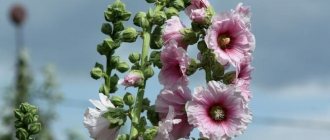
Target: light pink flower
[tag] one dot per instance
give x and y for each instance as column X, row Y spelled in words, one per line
column 244, row 12
column 244, row 77
column 197, row 11
column 175, row 63
column 166, row 125
column 98, row 127
column 172, row 32
column 177, row 98
column 229, row 38
column 218, row 111
column 134, row 78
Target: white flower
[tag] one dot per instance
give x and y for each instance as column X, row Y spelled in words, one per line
column 98, row 127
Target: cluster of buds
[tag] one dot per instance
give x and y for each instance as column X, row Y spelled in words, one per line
column 219, row 110
column 27, row 121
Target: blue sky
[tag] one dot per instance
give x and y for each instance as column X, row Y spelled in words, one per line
column 291, row 78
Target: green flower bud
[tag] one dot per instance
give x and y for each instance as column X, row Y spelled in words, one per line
column 113, row 89
column 116, row 116
column 141, row 20
column 218, row 71
column 128, row 99
column 134, row 57
column 178, row 4
column 22, row 134
column 104, row 89
column 18, row 114
column 202, row 46
column 150, row 133
column 189, row 36
column 114, row 79
column 125, row 15
column 118, row 26
column 97, row 71
column 122, row 67
column 229, row 77
column 117, row 101
column 106, row 28
column 151, row 1
column 18, row 124
column 155, row 58
column 123, row 137
column 148, row 72
column 34, row 128
column 171, row 11
column 114, row 61
column 129, row 35
column 157, row 17
column 193, row 66
column 107, row 46
column 28, row 118
column 153, row 116
column 146, row 102
column 25, row 108
column 117, row 6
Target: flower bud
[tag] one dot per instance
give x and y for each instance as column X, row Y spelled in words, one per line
column 229, row 77
column 128, row 99
column 107, row 46
column 106, row 28
column 22, row 134
column 141, row 20
column 122, row 137
column 202, row 46
column 118, row 26
column 189, row 36
column 113, row 89
column 178, row 4
column 134, row 57
column 134, row 78
column 218, row 71
column 97, row 71
column 156, row 38
column 34, row 128
column 25, row 108
column 193, row 66
column 148, row 72
column 122, row 67
column 114, row 80
column 155, row 58
column 18, row 114
column 28, row 118
column 171, row 11
column 129, row 35
column 152, row 115
column 157, row 17
column 117, row 101
column 114, row 61
column 150, row 133
column 18, row 124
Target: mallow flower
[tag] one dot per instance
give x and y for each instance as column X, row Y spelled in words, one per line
column 171, row 31
column 165, row 127
column 198, row 11
column 133, row 79
column 98, row 127
column 218, row 111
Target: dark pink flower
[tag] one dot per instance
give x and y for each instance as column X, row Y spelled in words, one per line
column 218, row 111
column 175, row 63
column 244, row 77
column 177, row 98
column 229, row 38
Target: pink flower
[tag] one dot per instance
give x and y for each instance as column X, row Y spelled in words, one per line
column 175, row 63
column 244, row 12
column 197, row 11
column 177, row 98
column 166, row 126
column 218, row 111
column 244, row 77
column 172, row 31
column 229, row 38
column 98, row 127
column 134, row 78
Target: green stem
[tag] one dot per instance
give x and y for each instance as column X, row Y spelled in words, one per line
column 208, row 74
column 108, row 75
column 136, row 112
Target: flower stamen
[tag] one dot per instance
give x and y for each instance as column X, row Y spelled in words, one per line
column 223, row 41
column 217, row 113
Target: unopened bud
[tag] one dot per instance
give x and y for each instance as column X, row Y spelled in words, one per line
column 128, row 99
column 178, row 4
column 218, row 71
column 106, row 28
column 114, row 61
column 122, row 67
column 148, row 72
column 34, row 128
column 129, row 35
column 140, row 20
column 202, row 46
column 114, row 79
column 134, row 57
column 28, row 118
column 22, row 134
column 193, row 66
column 158, row 17
column 229, row 77
column 150, row 133
column 97, row 71
column 151, row 1
column 117, row 101
column 189, row 36
column 171, row 11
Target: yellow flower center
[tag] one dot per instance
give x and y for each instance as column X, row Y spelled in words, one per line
column 223, row 41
